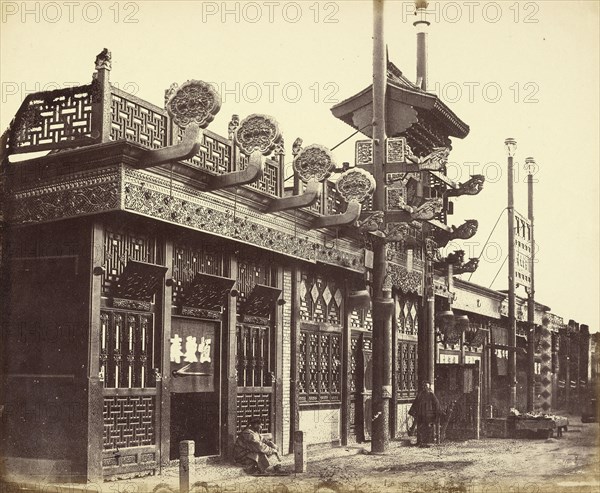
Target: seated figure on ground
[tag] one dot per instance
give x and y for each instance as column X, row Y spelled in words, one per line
column 254, row 451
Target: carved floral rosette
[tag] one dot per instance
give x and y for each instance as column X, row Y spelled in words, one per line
column 355, row 184
column 314, row 162
column 195, row 101
column 257, row 133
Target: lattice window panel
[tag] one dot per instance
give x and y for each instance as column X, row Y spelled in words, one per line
column 318, row 205
column 251, row 273
column 119, row 247
column 214, row 154
column 136, row 123
column 253, row 356
column 127, row 349
column 254, row 405
column 407, row 315
column 335, row 203
column 361, row 319
column 353, row 370
column 320, row 299
column 301, row 363
column 406, row 376
column 269, row 181
column 320, row 366
column 60, row 117
column 189, row 261
column 128, row 422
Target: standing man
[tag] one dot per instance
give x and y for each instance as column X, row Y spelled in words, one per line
column 252, row 450
column 426, row 412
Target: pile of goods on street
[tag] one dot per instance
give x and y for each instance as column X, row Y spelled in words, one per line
column 538, row 422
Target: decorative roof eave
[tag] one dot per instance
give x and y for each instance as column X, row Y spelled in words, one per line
column 476, row 288
column 81, row 183
column 523, row 301
column 404, row 96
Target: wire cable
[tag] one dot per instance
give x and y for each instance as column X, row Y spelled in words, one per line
column 488, row 239
column 505, row 258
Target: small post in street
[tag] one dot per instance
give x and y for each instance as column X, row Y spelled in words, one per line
column 186, row 457
column 299, row 452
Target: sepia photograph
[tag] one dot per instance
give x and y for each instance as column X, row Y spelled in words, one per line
column 315, row 246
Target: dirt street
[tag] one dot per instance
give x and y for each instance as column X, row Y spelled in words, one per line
column 568, row 464
column 490, row 465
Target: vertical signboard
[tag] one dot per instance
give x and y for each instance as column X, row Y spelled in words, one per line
column 193, row 349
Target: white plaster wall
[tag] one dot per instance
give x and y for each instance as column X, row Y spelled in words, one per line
column 403, row 419
column 321, row 425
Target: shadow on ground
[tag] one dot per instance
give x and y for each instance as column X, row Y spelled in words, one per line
column 427, row 466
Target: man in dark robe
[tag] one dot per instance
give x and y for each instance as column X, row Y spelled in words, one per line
column 426, row 412
column 254, row 451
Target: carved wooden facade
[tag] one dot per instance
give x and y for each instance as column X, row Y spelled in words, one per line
column 181, row 310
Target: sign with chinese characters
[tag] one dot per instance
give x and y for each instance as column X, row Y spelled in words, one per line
column 395, row 151
column 522, row 250
column 192, row 354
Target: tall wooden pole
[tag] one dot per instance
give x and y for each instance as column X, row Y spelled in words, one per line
column 531, row 300
column 382, row 326
column 511, row 145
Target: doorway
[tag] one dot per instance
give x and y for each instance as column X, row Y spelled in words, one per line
column 195, row 385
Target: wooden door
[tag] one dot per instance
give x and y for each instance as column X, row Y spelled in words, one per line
column 195, row 383
column 130, row 368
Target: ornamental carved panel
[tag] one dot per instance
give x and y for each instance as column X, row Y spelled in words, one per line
column 314, row 162
column 83, row 194
column 195, row 101
column 320, row 298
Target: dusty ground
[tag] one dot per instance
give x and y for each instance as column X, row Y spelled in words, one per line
column 567, row 464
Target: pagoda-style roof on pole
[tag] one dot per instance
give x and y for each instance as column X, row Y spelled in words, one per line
column 410, row 111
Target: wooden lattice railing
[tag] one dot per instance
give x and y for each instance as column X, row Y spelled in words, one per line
column 99, row 112
column 55, row 120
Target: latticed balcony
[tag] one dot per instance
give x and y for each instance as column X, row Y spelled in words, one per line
column 99, row 112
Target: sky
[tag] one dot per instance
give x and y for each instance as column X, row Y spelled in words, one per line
column 521, row 69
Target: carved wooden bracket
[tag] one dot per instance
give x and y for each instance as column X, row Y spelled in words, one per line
column 188, row 147
column 313, row 164
column 349, row 217
column 306, row 199
column 256, row 136
column 208, row 292
column 259, row 304
column 250, row 174
column 137, row 284
column 470, row 187
column 354, row 186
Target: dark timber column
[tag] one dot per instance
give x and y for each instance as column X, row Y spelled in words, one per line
column 164, row 303
column 346, row 352
column 382, row 327
column 95, row 425
column 228, row 368
column 394, row 401
column 277, row 377
column 295, row 336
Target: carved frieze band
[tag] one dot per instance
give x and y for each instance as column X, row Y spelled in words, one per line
column 113, row 189
column 84, row 194
column 192, row 311
column 131, row 304
column 406, row 281
column 145, row 195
